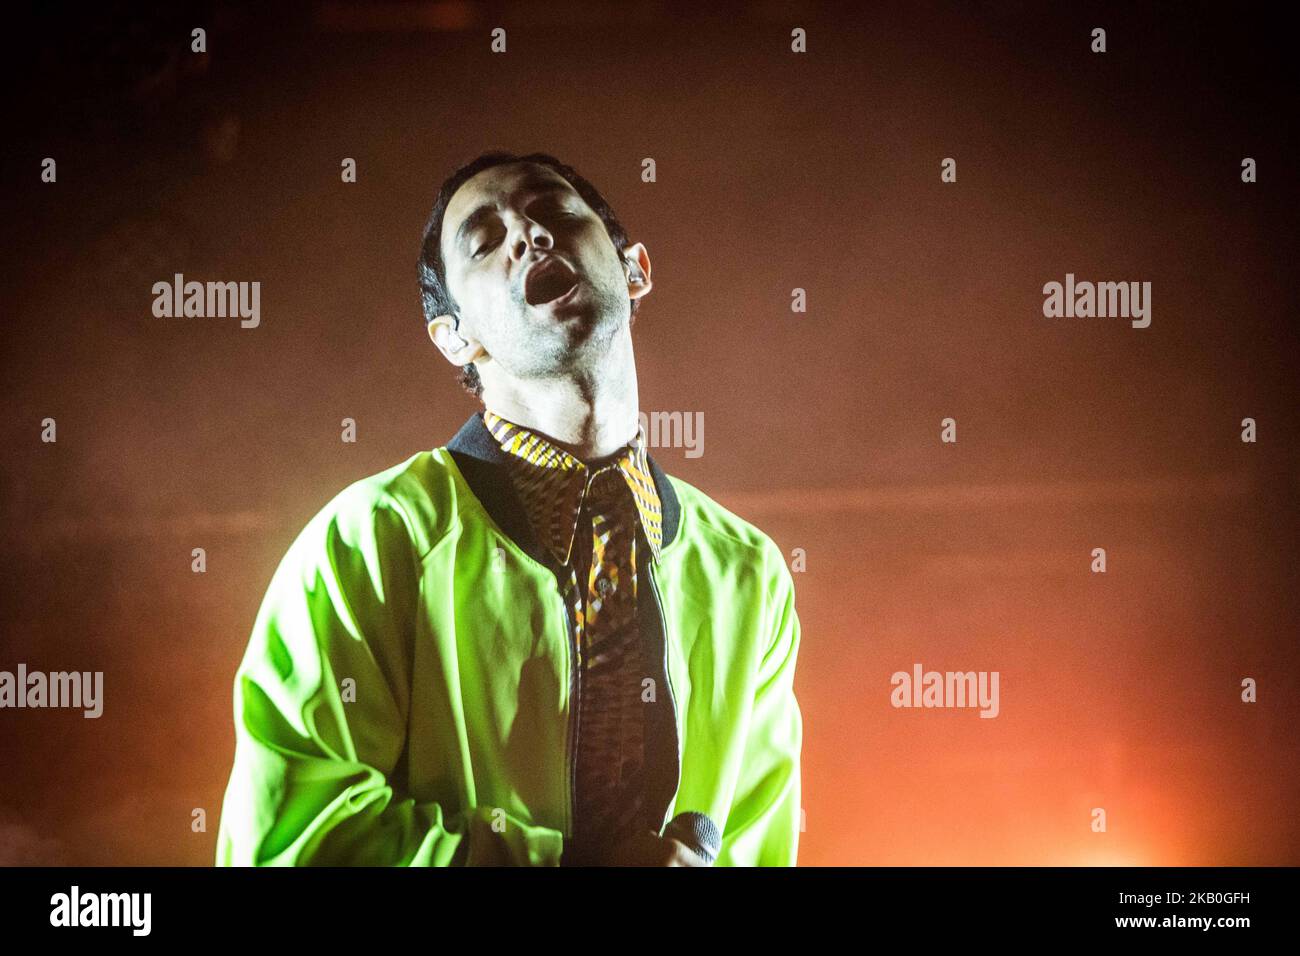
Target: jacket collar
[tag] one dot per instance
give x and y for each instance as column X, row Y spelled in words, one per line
column 484, row 464
column 554, row 484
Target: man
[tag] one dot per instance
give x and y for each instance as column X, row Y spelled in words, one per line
column 530, row 645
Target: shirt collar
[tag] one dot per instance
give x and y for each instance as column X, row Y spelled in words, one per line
column 554, row 483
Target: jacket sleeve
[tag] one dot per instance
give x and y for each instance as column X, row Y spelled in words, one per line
column 763, row 825
column 321, row 704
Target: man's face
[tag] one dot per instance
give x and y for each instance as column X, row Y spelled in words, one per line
column 539, row 284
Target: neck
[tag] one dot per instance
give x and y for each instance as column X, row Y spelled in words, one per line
column 588, row 415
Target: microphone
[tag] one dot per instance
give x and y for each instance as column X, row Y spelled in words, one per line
column 698, row 832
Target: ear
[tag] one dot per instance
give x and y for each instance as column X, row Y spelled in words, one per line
column 457, row 349
column 636, row 266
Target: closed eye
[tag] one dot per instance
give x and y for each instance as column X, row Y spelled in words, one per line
column 557, row 212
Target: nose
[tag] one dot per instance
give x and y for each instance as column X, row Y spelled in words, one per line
column 528, row 234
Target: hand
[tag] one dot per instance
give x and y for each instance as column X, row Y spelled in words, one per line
column 647, row 848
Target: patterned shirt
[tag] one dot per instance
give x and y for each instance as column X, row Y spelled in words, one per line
column 588, row 515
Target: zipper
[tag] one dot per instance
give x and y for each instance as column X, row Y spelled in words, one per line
column 570, row 763
column 672, row 700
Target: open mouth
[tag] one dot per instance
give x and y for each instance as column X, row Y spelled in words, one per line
column 549, row 281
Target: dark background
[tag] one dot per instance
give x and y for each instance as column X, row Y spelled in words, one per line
column 775, row 171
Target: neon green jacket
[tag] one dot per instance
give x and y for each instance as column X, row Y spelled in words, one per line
column 407, row 693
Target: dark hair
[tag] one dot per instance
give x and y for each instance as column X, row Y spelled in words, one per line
column 435, row 297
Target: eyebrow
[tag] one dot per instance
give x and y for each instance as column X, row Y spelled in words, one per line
column 533, row 184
